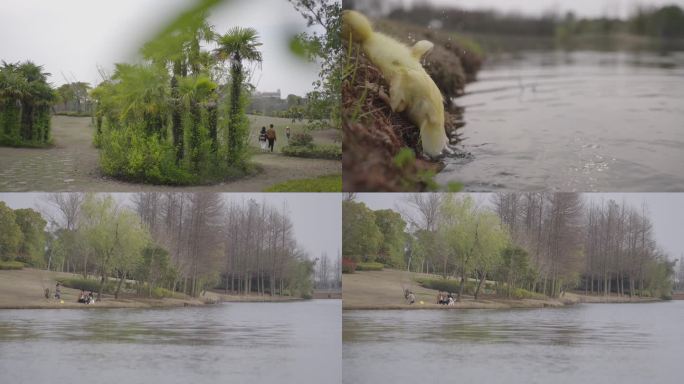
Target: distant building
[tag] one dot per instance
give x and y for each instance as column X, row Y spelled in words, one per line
column 267, row 103
column 267, row 95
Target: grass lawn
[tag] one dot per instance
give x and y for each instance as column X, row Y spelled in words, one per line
column 331, row 183
column 256, row 122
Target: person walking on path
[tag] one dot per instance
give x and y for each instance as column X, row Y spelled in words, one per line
column 271, row 136
column 287, row 134
column 262, row 139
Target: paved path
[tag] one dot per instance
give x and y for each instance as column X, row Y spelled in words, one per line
column 72, row 165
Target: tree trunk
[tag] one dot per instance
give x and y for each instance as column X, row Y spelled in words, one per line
column 118, row 286
column 176, row 120
column 479, row 284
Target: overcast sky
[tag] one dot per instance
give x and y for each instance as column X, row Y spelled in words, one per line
column 613, row 8
column 71, row 38
column 316, row 217
column 666, row 212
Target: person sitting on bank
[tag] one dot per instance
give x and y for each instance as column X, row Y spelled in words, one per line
column 409, row 296
column 82, row 297
column 271, row 136
column 90, row 299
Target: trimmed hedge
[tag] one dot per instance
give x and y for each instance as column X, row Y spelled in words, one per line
column 519, row 293
column 318, row 151
column 11, row 265
column 87, row 284
column 372, row 266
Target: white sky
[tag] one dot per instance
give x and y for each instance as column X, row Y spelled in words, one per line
column 613, row 8
column 666, row 212
column 316, row 217
column 71, row 38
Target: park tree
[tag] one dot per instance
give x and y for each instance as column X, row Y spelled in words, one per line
column 361, row 237
column 25, row 101
column 391, row 226
column 115, row 237
column 10, row 233
column 491, row 240
column 514, row 269
column 32, row 226
column 326, row 48
column 155, row 269
column 239, row 45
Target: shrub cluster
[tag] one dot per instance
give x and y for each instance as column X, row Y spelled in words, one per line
column 25, row 100
column 348, row 266
column 369, row 266
column 11, row 265
column 87, row 284
column 318, row 151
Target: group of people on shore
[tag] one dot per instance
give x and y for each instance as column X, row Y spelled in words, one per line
column 267, row 137
column 445, row 298
column 86, row 298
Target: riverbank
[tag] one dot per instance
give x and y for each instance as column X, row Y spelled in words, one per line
column 219, row 296
column 24, row 289
column 383, row 290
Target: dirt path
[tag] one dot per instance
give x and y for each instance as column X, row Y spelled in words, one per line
column 72, row 165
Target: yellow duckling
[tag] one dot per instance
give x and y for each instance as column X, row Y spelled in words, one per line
column 411, row 88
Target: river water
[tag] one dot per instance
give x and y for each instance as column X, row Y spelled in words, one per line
column 228, row 343
column 574, row 121
column 587, row 343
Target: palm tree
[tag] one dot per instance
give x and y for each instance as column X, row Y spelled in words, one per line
column 12, row 87
column 196, row 91
column 143, row 93
column 238, row 45
column 37, row 92
column 179, row 47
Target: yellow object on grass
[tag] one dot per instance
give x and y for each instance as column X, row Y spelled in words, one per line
column 412, row 90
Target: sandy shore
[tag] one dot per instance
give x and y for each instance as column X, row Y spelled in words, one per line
column 384, row 290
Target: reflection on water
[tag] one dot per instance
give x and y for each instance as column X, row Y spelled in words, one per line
column 258, row 342
column 627, row 343
column 574, row 121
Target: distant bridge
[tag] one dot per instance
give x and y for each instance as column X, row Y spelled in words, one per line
column 327, row 294
column 679, row 295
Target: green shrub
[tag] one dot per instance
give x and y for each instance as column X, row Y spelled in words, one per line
column 446, row 285
column 11, row 265
column 301, row 140
column 370, row 266
column 87, row 284
column 348, row 266
column 160, row 293
column 319, row 151
column 519, row 293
